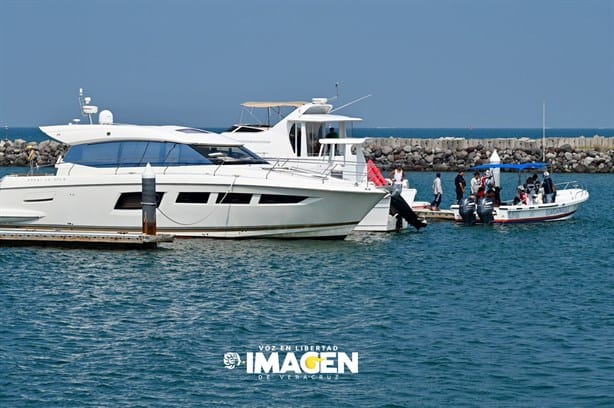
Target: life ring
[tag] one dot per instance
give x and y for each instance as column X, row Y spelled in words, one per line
column 374, row 174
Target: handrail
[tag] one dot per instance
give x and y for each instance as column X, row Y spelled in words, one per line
column 566, row 185
column 323, row 169
column 218, row 167
column 270, row 170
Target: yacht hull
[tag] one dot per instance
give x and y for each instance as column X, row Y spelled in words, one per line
column 226, row 206
column 379, row 218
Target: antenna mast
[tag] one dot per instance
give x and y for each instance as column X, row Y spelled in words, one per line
column 350, row 103
column 544, row 131
column 332, row 98
column 87, row 109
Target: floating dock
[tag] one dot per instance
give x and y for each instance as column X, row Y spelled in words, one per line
column 441, row 215
column 18, row 236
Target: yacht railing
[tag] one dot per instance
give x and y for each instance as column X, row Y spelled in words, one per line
column 324, row 168
column 320, row 169
column 36, row 171
column 272, row 168
column 219, row 166
column 280, row 165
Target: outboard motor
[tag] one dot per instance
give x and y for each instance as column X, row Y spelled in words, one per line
column 467, row 210
column 485, row 209
column 400, row 208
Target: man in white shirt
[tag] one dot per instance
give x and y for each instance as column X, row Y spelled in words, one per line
column 437, row 192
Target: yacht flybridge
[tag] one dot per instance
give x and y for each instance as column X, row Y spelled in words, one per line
column 208, row 185
column 302, row 140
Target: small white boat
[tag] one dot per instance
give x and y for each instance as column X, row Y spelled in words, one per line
column 298, row 141
column 208, row 185
column 569, row 198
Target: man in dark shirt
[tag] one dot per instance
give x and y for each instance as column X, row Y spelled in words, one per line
column 459, row 183
column 549, row 189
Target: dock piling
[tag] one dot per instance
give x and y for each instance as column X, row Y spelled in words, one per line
column 149, row 200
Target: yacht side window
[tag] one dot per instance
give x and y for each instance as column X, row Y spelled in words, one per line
column 228, row 154
column 295, row 139
column 134, row 154
column 134, row 201
column 315, row 132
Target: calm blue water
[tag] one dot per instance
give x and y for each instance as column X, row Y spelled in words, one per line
column 32, row 134
column 450, row 316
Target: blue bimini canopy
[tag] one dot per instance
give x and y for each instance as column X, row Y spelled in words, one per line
column 511, row 166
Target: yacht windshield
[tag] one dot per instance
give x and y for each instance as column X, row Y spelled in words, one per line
column 229, row 154
column 139, row 153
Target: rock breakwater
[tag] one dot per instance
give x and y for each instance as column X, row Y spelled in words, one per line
column 565, row 155
column 19, row 152
column 571, row 155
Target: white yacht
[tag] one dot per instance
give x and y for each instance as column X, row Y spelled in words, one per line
column 299, row 141
column 208, row 185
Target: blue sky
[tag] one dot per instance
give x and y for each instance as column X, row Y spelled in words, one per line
column 426, row 63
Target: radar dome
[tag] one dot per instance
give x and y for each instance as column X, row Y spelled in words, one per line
column 105, row 117
column 319, row 101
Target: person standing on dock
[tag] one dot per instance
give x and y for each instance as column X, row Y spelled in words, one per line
column 460, row 184
column 437, row 192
